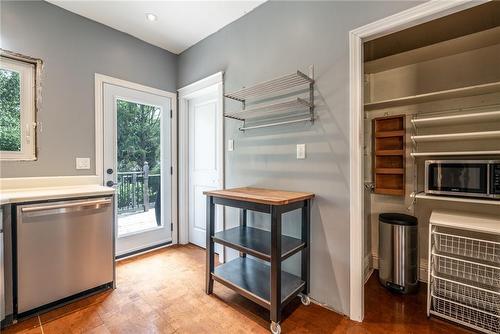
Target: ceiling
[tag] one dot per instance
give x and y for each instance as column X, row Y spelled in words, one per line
column 179, row 24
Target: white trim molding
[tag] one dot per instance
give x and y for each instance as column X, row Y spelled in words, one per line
column 198, row 88
column 416, row 15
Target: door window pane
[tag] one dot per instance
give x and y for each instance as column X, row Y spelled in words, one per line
column 139, row 166
column 10, row 111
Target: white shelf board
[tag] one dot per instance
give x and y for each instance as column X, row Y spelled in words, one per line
column 434, row 96
column 457, row 136
column 467, row 221
column 458, row 119
column 272, row 110
column 453, row 46
column 456, row 153
column 457, row 199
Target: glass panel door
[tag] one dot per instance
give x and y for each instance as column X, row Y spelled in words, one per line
column 137, row 162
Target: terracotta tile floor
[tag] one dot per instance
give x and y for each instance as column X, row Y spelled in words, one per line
column 162, row 292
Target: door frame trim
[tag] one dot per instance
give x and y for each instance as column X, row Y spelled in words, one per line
column 185, row 93
column 100, row 80
column 411, row 17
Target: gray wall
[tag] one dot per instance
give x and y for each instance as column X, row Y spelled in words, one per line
column 74, row 49
column 278, row 38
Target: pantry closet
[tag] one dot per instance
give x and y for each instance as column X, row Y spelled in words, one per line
column 432, row 92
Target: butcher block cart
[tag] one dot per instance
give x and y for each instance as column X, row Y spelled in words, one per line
column 263, row 282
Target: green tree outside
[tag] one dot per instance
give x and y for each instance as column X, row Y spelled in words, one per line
column 10, row 111
column 138, row 135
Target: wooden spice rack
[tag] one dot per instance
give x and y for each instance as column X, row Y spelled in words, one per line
column 389, row 158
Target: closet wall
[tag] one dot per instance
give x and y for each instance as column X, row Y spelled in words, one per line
column 469, row 64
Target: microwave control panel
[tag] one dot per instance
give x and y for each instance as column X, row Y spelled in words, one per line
column 495, row 179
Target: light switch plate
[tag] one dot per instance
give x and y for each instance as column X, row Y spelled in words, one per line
column 301, row 151
column 82, row 163
column 230, row 145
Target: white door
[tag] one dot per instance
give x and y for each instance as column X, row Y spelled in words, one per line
column 205, row 162
column 137, row 162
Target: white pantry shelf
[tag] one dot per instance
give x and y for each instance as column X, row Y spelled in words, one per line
column 454, row 153
column 458, row 119
column 456, row 199
column 457, row 136
column 434, row 96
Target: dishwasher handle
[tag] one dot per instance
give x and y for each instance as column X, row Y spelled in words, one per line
column 66, row 207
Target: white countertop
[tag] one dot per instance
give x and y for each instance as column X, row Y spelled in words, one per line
column 466, row 221
column 47, row 193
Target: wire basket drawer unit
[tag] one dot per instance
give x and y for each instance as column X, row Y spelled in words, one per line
column 475, row 272
column 466, row 315
column 482, row 299
column 473, row 248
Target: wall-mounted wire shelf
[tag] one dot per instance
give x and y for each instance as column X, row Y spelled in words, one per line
column 269, row 87
column 290, row 110
column 272, row 110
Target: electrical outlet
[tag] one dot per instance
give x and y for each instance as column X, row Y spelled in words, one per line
column 82, row 163
column 301, row 151
column 230, row 145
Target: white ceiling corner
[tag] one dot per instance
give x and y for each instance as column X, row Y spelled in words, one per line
column 179, row 25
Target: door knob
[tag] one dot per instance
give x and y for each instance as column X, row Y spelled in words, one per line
column 110, row 183
column 109, row 170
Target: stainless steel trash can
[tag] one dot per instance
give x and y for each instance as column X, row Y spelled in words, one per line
column 398, row 252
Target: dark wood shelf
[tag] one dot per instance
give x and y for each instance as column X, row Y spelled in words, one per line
column 251, row 279
column 389, row 152
column 389, row 170
column 257, row 242
column 395, row 192
column 386, row 134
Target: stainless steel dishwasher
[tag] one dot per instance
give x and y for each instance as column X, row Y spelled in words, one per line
column 63, row 248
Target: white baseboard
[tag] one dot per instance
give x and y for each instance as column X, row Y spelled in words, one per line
column 368, row 267
column 422, row 269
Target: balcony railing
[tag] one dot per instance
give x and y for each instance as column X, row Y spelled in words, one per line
column 136, row 192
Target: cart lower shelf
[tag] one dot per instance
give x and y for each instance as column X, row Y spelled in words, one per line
column 251, row 279
column 257, row 242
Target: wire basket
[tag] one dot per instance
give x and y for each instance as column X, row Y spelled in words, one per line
column 488, row 322
column 481, row 299
column 469, row 247
column 474, row 272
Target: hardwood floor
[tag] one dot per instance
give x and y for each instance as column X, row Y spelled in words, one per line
column 163, row 292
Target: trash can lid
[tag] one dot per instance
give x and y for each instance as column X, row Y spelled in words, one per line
column 398, row 219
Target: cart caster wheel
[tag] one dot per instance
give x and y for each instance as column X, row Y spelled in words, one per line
column 305, row 300
column 275, row 328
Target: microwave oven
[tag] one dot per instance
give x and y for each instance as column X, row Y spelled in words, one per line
column 468, row 178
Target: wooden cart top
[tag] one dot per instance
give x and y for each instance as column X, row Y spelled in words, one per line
column 262, row 196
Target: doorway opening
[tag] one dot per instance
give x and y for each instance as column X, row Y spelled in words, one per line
column 138, row 161
column 399, row 83
column 201, row 156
